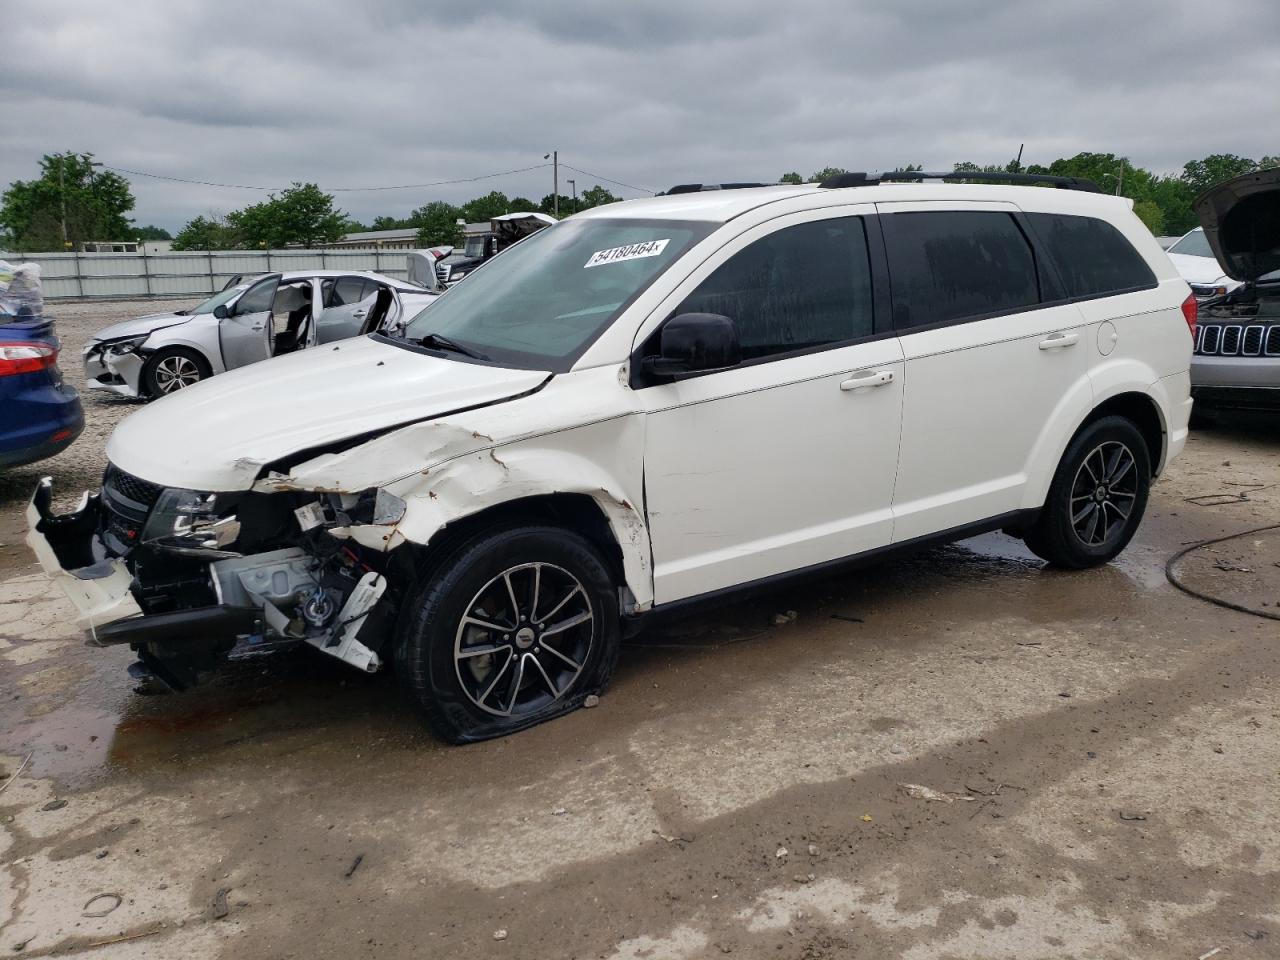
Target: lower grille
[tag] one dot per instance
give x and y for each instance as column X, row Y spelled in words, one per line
column 127, row 501
column 1238, row 340
column 442, row 272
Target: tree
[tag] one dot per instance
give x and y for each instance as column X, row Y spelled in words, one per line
column 826, row 172
column 437, row 224
column 547, row 205
column 1149, row 212
column 1200, row 175
column 150, row 232
column 208, row 233
column 485, row 208
column 791, row 178
column 389, row 223
column 597, row 196
column 522, row 205
column 302, row 214
column 69, row 195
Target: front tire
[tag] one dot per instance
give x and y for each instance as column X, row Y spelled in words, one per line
column 1097, row 497
column 513, row 628
column 172, row 369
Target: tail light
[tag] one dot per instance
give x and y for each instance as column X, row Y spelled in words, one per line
column 1191, row 311
column 18, row 358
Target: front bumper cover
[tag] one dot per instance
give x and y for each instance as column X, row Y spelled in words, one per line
column 69, row 550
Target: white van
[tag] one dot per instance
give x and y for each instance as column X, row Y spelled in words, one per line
column 650, row 403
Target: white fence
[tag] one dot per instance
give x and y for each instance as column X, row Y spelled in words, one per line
column 131, row 276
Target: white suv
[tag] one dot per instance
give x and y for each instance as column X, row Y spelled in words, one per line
column 649, row 403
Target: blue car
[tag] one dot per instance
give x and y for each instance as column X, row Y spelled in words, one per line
column 39, row 414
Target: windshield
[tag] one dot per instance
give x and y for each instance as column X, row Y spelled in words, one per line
column 475, row 247
column 219, row 298
column 1194, row 244
column 543, row 301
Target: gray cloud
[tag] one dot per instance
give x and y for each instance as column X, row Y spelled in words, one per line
column 651, row 94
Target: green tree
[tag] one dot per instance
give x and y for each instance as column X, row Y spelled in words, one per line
column 389, row 223
column 208, row 233
column 150, row 232
column 302, row 214
column 69, row 194
column 792, row 177
column 826, row 172
column 1200, row 175
column 1149, row 212
column 437, row 224
column 597, row 196
column 484, row 208
column 547, row 205
column 522, row 205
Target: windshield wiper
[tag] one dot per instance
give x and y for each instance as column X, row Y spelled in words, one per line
column 441, row 342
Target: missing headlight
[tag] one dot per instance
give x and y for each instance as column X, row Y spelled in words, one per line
column 191, row 523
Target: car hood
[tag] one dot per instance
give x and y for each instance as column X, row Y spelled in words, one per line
column 218, row 434
column 1241, row 220
column 131, row 328
column 1202, row 270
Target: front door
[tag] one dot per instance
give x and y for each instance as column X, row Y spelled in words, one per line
column 786, row 460
column 992, row 352
column 245, row 334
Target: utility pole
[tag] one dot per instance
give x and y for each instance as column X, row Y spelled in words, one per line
column 554, row 155
column 1120, row 184
column 573, row 187
column 62, row 196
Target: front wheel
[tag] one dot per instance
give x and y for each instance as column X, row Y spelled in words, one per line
column 1097, row 497
column 171, row 369
column 514, row 628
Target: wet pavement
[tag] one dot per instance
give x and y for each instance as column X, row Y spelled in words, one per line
column 1110, row 746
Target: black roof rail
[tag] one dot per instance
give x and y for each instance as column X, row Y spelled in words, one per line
column 862, row 179
column 698, row 187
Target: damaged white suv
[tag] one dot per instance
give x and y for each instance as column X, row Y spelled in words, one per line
column 649, row 403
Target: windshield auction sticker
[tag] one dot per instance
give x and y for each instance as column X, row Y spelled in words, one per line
column 632, row 251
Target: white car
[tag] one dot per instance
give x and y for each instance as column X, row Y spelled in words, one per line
column 1197, row 265
column 249, row 320
column 648, row 404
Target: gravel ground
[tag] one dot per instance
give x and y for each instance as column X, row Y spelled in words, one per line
column 1105, row 752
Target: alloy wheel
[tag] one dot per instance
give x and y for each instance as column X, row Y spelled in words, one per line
column 524, row 639
column 175, row 372
column 1103, row 493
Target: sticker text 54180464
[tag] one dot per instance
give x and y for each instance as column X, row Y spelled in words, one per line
column 632, row 251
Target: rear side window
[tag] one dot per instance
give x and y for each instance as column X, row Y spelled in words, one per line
column 349, row 290
column 801, row 287
column 1093, row 257
column 951, row 265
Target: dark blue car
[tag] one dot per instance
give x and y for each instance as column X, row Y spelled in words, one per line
column 39, row 414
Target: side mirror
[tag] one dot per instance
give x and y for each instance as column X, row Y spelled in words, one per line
column 220, row 312
column 694, row 342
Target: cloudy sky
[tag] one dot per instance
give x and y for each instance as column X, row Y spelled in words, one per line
column 380, row 94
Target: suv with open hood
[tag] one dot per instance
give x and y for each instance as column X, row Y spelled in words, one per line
column 647, row 404
column 1237, row 350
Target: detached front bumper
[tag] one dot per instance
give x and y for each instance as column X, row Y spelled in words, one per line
column 113, row 371
column 72, row 555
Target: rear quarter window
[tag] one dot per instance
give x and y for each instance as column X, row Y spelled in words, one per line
column 1093, row 257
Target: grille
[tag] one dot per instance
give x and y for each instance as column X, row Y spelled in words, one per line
column 442, row 272
column 1238, row 340
column 131, row 488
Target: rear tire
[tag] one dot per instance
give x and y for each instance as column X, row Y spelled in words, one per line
column 172, row 369
column 1097, row 497
column 513, row 628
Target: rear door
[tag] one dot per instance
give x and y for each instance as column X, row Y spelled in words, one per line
column 787, row 459
column 347, row 302
column 992, row 350
column 245, row 335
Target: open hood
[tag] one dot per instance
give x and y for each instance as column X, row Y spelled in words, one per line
column 218, row 434
column 1241, row 220
column 511, row 227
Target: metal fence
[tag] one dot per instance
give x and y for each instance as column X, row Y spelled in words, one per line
column 131, row 276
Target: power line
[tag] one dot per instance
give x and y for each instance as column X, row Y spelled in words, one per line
column 616, row 183
column 401, row 186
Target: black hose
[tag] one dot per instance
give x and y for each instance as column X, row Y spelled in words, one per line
column 1218, row 601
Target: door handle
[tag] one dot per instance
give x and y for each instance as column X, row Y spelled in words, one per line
column 359, row 315
column 867, row 378
column 1059, row 340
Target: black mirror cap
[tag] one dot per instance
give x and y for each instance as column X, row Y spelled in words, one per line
column 695, row 342
column 220, row 312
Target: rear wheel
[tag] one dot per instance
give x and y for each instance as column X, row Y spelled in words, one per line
column 1097, row 498
column 171, row 369
column 516, row 627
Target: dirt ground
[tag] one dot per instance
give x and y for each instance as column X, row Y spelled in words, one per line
column 1109, row 747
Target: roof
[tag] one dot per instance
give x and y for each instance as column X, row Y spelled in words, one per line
column 403, row 233
column 719, row 206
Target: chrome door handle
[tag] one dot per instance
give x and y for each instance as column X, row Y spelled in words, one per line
column 359, row 315
column 867, row 378
column 1059, row 340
